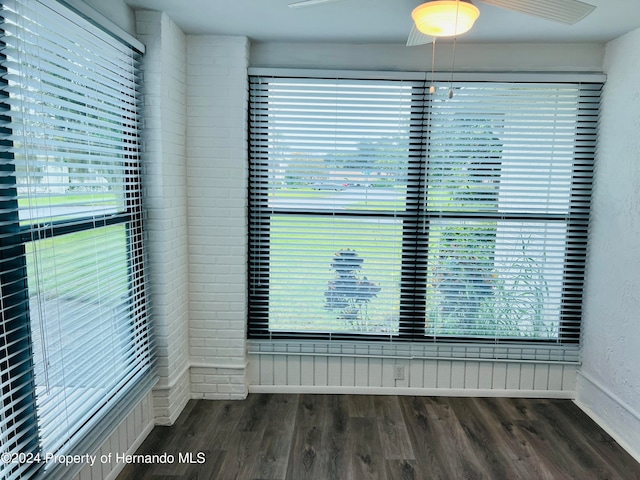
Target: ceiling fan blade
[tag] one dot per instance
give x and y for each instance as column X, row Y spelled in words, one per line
column 563, row 11
column 309, row 3
column 416, row 37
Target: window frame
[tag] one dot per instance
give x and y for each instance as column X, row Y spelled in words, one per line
column 413, row 264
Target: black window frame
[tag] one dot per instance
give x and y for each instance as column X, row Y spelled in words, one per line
column 416, row 223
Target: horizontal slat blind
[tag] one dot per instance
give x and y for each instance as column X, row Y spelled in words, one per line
column 380, row 210
column 314, row 137
column 331, row 168
column 78, row 101
column 509, row 148
column 509, row 170
column 75, row 338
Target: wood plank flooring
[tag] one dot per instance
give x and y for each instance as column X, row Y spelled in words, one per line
column 352, row 437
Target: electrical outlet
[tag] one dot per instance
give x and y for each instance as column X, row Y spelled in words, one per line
column 398, row 372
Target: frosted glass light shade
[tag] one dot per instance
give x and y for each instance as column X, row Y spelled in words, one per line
column 438, row 18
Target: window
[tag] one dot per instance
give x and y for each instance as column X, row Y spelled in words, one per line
column 75, row 343
column 380, row 211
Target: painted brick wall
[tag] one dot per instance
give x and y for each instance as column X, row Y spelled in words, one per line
column 217, row 96
column 164, row 138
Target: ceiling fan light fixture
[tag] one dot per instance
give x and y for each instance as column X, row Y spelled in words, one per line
column 438, row 18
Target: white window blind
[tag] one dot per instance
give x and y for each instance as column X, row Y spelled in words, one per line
column 75, row 337
column 380, row 211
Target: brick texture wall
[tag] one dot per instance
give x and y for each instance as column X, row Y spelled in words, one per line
column 217, row 96
column 164, row 138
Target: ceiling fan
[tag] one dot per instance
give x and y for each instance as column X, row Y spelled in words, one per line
column 563, row 11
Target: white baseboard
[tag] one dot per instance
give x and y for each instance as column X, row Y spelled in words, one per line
column 610, row 412
column 165, row 394
column 433, row 392
column 176, row 379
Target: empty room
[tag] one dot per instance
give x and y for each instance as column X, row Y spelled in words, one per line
column 322, row 239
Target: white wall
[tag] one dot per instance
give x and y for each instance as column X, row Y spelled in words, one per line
column 608, row 386
column 165, row 196
column 217, row 207
column 585, row 57
column 117, row 11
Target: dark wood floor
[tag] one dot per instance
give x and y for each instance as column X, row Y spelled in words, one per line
column 353, row 437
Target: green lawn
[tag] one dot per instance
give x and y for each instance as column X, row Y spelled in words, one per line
column 91, row 265
column 48, row 200
column 302, row 249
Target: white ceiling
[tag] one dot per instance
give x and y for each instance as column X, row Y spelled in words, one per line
column 381, row 21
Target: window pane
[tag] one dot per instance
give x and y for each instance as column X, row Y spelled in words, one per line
column 333, row 144
column 348, row 197
column 495, row 278
column 505, row 147
column 78, row 298
column 334, row 275
column 56, row 191
column 464, row 170
column 72, row 115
